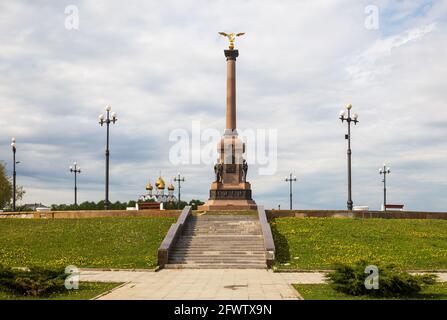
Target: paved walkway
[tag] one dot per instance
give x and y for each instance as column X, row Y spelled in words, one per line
column 206, row 284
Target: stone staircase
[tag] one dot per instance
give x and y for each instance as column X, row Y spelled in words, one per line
column 219, row 241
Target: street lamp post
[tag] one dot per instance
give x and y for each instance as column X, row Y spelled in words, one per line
column 347, row 117
column 75, row 169
column 14, row 173
column 385, row 170
column 290, row 179
column 179, row 179
column 109, row 118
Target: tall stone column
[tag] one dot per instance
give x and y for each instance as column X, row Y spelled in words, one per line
column 230, row 190
column 231, row 56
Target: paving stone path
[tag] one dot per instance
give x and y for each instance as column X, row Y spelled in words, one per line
column 207, row 284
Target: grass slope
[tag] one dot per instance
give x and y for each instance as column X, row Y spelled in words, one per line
column 86, row 291
column 318, row 243
column 325, row 292
column 129, row 242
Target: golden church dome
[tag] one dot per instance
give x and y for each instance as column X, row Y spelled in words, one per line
column 149, row 186
column 171, row 187
column 160, row 184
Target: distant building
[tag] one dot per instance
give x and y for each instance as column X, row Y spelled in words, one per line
column 361, row 208
column 158, row 194
column 36, row 207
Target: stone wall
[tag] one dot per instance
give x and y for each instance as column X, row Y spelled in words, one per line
column 90, row 214
column 356, row 214
column 270, row 214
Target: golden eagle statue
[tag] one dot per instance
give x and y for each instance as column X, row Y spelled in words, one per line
column 231, row 37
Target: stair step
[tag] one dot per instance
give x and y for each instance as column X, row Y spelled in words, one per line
column 214, row 259
column 216, row 234
column 222, row 246
column 234, row 245
column 212, row 241
column 218, row 262
column 227, row 217
column 217, row 255
column 227, row 236
column 220, row 240
column 232, row 229
column 200, row 239
column 230, row 232
column 212, row 249
column 215, row 266
column 228, row 246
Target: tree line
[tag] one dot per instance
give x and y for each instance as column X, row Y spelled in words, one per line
column 91, row 205
column 6, row 199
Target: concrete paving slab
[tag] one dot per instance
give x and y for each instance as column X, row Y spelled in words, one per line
column 206, row 284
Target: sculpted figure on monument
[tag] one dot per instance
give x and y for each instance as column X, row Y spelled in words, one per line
column 218, row 170
column 244, row 170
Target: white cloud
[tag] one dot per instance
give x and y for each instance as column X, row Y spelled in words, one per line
column 367, row 65
column 161, row 66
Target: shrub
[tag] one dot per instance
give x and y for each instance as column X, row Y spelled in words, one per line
column 195, row 204
column 32, row 282
column 393, row 282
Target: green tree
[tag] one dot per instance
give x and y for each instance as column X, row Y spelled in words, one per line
column 175, row 205
column 195, row 203
column 20, row 192
column 5, row 187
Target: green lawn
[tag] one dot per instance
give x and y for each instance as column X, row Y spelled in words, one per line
column 318, row 243
column 86, row 291
column 325, row 292
column 128, row 242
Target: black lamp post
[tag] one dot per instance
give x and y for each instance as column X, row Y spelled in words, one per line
column 290, row 179
column 109, row 118
column 385, row 170
column 14, row 173
column 179, row 179
column 347, row 117
column 75, row 169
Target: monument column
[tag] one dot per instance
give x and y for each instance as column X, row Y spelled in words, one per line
column 231, row 56
column 230, row 189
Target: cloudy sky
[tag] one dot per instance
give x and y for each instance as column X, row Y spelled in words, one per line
column 160, row 65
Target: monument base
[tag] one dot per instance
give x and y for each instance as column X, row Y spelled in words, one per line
column 234, row 196
column 211, row 205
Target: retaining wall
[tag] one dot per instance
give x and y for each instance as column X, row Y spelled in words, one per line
column 356, row 214
column 90, row 214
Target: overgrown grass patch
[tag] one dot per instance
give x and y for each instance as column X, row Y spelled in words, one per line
column 125, row 242
column 320, row 243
